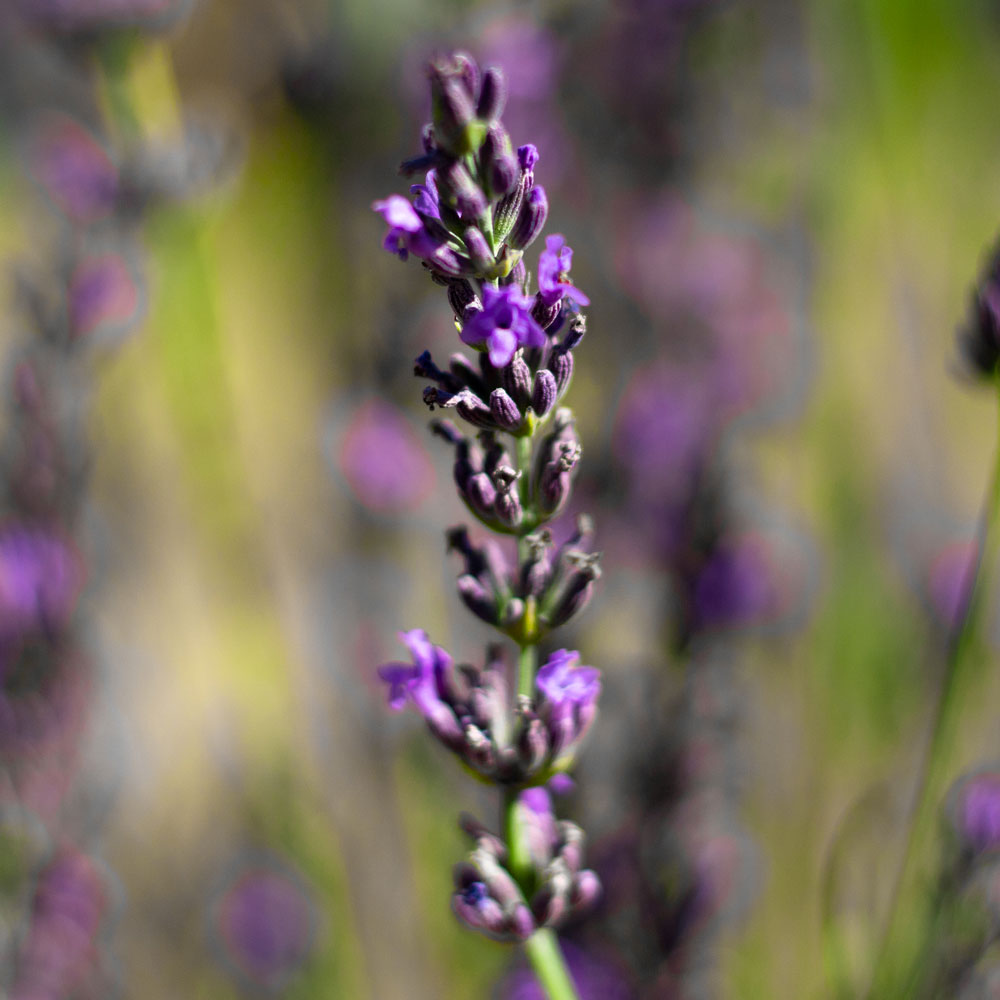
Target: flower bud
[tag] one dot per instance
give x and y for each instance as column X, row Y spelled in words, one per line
column 480, row 494
column 545, row 314
column 504, row 410
column 561, row 365
column 460, row 295
column 576, row 589
column 457, row 186
column 530, row 220
column 509, row 207
column 477, row 598
column 499, row 167
column 492, row 95
column 456, row 129
column 479, row 250
column 536, row 571
column 508, row 503
column 518, row 274
column 585, row 892
column 543, row 397
column 516, row 378
column 533, row 745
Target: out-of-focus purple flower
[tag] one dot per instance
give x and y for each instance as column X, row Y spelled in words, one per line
column 568, row 701
column 407, row 233
column 503, row 324
column 384, row 462
column 40, row 578
column 265, row 922
column 554, row 265
column 74, row 169
column 948, row 582
column 594, row 979
column 735, row 586
column 103, row 294
column 564, row 682
column 977, row 811
column 59, row 951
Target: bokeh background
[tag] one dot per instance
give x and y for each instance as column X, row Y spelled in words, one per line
column 777, row 209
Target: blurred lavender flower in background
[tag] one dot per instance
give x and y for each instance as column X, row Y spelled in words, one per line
column 264, row 924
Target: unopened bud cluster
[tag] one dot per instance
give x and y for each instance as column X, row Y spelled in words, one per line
column 489, row 899
column 470, row 220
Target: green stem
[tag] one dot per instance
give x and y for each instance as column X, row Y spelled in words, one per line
column 527, row 661
column 546, row 958
column 899, row 965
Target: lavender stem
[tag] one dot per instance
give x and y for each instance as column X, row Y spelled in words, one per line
column 547, row 960
column 903, row 936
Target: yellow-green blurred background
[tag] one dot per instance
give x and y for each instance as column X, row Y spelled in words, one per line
column 243, row 587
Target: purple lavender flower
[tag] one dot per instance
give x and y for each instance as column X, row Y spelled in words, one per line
column 568, row 701
column 58, row 952
column 74, row 169
column 423, row 683
column 978, row 812
column 384, row 462
column 503, row 324
column 266, row 924
column 553, row 273
column 40, row 578
column 565, row 683
column 103, row 293
column 734, row 587
column 407, row 233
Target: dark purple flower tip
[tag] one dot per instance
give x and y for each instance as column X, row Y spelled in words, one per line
column 502, row 325
column 562, row 681
column 554, row 265
column 474, row 893
column 527, row 156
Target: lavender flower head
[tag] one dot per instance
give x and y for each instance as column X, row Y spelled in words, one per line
column 265, row 923
column 470, row 223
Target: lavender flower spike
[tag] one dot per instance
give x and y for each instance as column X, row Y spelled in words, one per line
column 471, row 221
column 553, row 273
column 503, row 325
